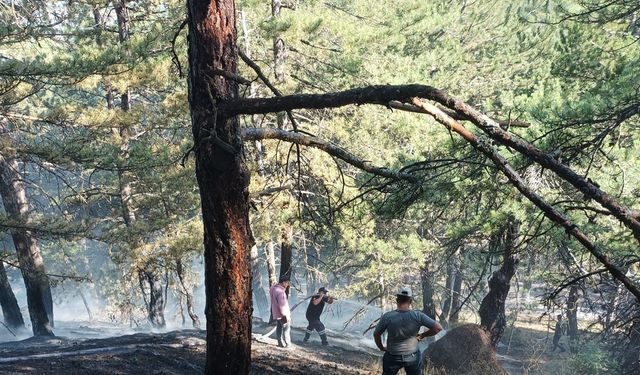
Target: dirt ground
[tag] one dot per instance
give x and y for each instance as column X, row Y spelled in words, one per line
column 179, row 352
column 526, row 350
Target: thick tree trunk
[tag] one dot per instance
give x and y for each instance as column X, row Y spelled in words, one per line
column 455, row 297
column 8, row 302
column 223, row 181
column 286, row 252
column 270, row 254
column 186, row 290
column 31, row 264
column 256, row 283
column 572, row 317
column 450, row 286
column 492, row 310
column 428, row 288
column 151, row 286
column 312, row 270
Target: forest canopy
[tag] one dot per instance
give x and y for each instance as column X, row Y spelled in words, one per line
column 439, row 145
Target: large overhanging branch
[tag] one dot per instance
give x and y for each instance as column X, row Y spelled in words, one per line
column 386, row 94
column 584, row 185
column 252, row 134
column 516, row 180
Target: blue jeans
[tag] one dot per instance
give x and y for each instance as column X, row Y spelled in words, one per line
column 392, row 363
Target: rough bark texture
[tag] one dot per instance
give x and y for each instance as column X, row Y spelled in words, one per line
column 428, row 288
column 286, row 253
column 572, row 317
column 36, row 281
column 223, row 181
column 8, row 302
column 151, row 285
column 256, row 284
column 492, row 311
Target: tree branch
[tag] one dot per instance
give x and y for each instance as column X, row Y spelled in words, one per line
column 384, row 94
column 252, row 134
column 517, row 181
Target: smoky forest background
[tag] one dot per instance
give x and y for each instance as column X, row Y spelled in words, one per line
column 483, row 153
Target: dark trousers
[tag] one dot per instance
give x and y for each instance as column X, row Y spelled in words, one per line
column 316, row 324
column 557, row 344
column 392, row 363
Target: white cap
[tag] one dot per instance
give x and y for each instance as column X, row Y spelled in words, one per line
column 405, row 292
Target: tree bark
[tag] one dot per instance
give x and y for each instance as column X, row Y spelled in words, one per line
column 256, row 284
column 572, row 318
column 455, row 296
column 149, row 276
column 223, row 181
column 492, row 310
column 270, row 254
column 286, row 253
column 36, row 281
column 518, row 182
column 385, row 94
column 8, row 302
column 151, row 285
column 428, row 289
column 256, row 134
column 186, row 290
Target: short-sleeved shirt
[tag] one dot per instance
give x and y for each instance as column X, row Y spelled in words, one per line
column 402, row 327
column 314, row 311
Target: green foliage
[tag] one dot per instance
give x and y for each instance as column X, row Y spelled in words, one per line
column 592, row 358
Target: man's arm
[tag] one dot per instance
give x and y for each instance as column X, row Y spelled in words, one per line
column 316, row 300
column 431, row 332
column 434, row 327
column 377, row 337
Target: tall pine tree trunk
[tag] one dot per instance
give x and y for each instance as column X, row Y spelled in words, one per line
column 148, row 275
column 286, row 253
column 270, row 254
column 256, row 283
column 428, row 288
column 492, row 310
column 572, row 317
column 223, row 180
column 186, row 290
column 36, row 281
column 8, row 302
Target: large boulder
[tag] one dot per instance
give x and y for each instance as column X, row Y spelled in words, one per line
column 465, row 349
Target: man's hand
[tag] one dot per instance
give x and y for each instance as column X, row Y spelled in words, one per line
column 330, row 300
column 285, row 319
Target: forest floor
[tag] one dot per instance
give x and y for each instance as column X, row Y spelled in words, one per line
column 178, row 352
column 183, row 352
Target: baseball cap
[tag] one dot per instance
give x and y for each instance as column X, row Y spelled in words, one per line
column 323, row 289
column 405, row 292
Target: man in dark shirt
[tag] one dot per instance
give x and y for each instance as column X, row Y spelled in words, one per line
column 314, row 310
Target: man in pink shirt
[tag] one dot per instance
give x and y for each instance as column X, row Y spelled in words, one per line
column 281, row 312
